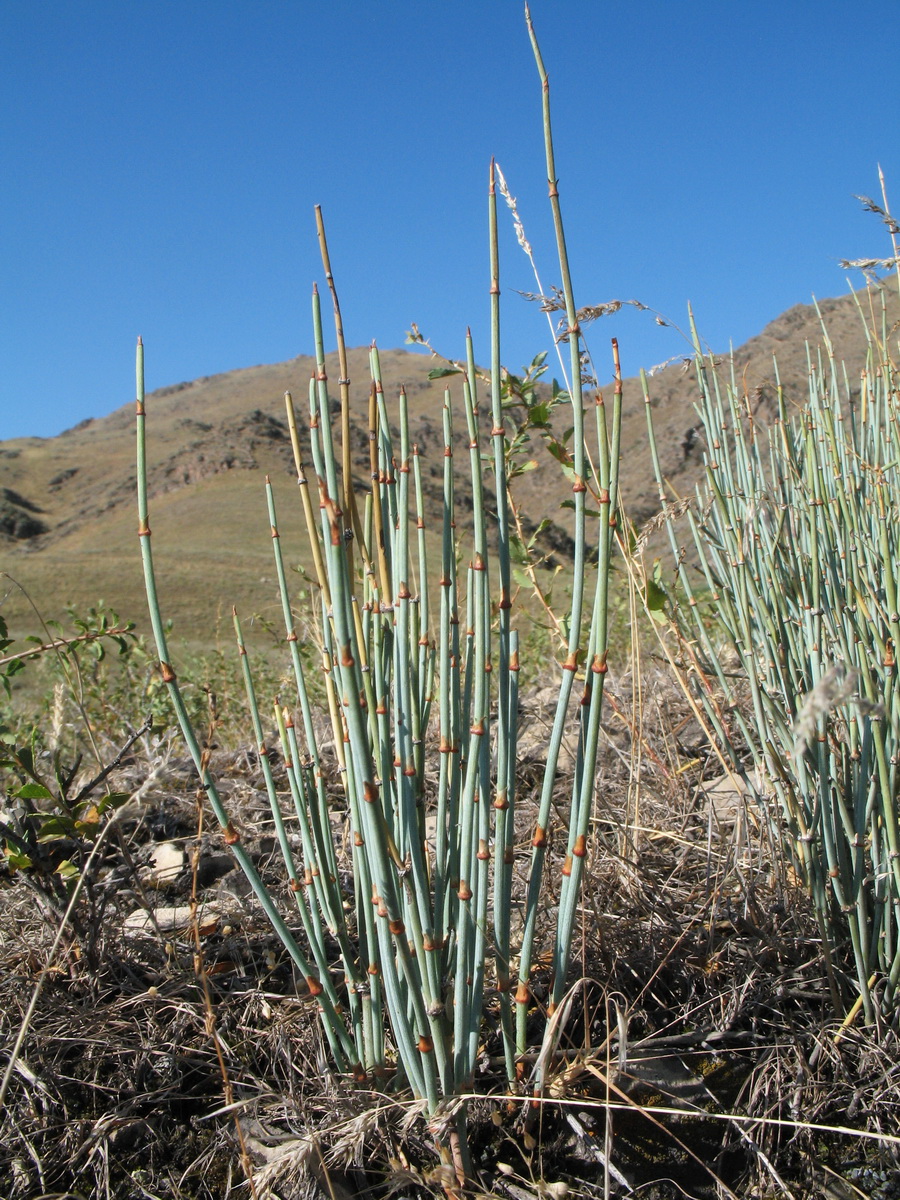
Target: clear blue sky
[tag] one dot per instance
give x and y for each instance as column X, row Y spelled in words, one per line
column 161, row 161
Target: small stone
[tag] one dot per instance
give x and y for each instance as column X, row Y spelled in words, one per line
column 557, row 1191
column 172, row 919
column 166, row 864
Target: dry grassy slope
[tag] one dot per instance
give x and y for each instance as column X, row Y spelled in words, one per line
column 787, row 338
column 212, row 441
column 210, row 445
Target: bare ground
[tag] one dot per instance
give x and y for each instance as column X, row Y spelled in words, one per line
column 186, row 1062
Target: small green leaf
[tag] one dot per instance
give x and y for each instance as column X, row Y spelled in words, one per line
column 113, row 800
column 24, row 760
column 16, row 860
column 517, row 551
column 54, row 828
column 33, row 791
column 655, row 599
column 522, row 467
column 559, row 452
column 588, row 512
column 443, row 372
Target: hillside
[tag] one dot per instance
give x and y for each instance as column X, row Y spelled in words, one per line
column 67, row 508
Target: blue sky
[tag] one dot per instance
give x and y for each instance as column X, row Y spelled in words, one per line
column 162, row 160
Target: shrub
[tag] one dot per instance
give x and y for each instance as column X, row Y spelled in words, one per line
column 419, row 690
column 797, row 534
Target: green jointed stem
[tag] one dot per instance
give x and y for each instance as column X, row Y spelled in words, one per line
column 446, row 856
column 798, row 545
column 585, row 779
column 573, row 333
column 470, row 892
column 504, row 798
column 341, row 1044
column 313, row 928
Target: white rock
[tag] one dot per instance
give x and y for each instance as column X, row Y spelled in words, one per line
column 170, row 919
column 166, row 864
column 732, row 802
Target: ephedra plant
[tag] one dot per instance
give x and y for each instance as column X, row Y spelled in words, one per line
column 790, row 630
column 420, row 665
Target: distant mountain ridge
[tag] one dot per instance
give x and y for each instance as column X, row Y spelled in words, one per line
column 67, row 508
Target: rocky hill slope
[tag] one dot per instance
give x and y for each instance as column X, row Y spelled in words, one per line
column 67, row 507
